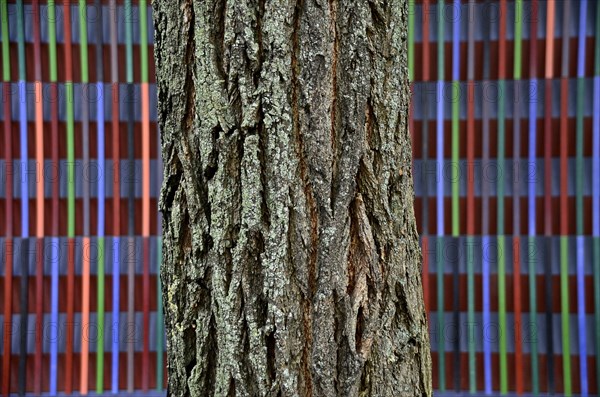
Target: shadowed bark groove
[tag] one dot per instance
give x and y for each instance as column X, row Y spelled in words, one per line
column 291, row 261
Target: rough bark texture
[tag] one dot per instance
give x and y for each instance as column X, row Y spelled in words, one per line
column 292, row 265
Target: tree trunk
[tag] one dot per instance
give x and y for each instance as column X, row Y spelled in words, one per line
column 291, row 258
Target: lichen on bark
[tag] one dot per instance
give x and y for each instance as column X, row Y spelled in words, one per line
column 291, row 261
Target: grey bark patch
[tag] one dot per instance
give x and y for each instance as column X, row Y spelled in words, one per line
column 291, row 261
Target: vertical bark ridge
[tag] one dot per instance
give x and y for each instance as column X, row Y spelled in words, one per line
column 291, row 261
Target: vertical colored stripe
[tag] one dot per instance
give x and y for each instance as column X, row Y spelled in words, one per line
column 440, row 195
column 8, row 245
column 131, row 187
column 564, row 208
column 596, row 191
column 54, row 319
column 101, row 199
column 549, row 74
column 532, row 185
column 485, row 215
column 471, row 195
column 116, row 221
column 518, row 340
column 24, row 165
column 39, row 155
column 68, row 52
column 500, row 213
column 85, row 277
column 455, row 181
column 143, row 11
column 581, row 316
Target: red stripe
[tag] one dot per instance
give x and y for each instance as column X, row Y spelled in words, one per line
column 39, row 119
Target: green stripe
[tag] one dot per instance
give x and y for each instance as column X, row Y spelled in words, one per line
column 143, row 9
column 52, row 40
column 533, row 316
column 100, row 342
column 518, row 35
column 129, row 41
column 471, row 314
column 5, row 42
column 501, row 150
column 83, row 44
column 21, row 40
column 455, row 161
column 70, row 161
column 564, row 307
column 159, row 324
column 502, row 315
column 501, row 245
column 411, row 39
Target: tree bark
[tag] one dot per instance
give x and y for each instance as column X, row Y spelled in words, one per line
column 291, row 259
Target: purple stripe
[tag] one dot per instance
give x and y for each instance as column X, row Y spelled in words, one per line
column 115, row 316
column 24, row 160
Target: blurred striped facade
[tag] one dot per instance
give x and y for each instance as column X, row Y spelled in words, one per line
column 506, row 126
column 80, row 302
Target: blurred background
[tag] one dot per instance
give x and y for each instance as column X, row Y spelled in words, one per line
column 505, row 122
